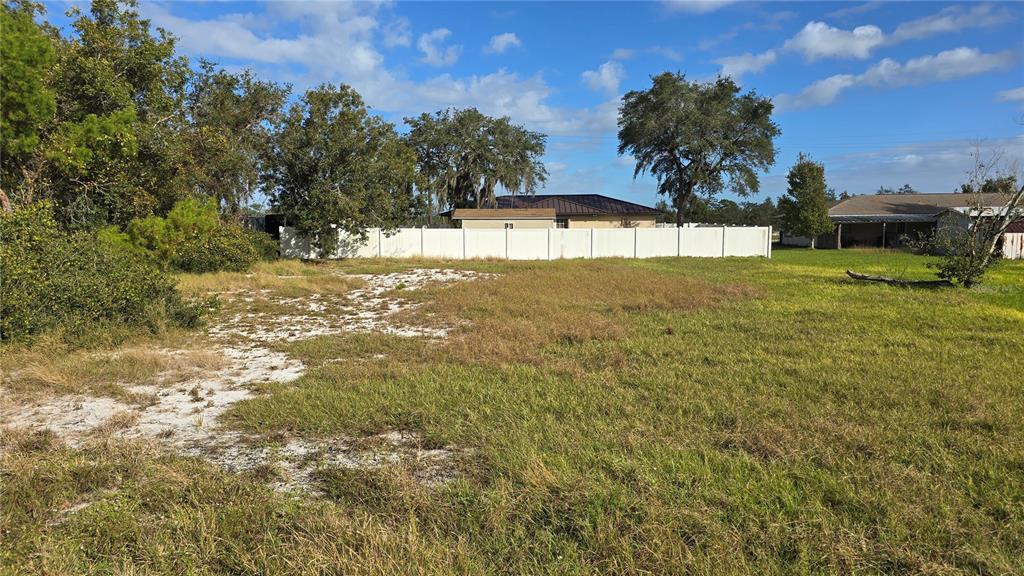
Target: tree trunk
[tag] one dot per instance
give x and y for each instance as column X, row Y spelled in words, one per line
column 901, row 283
column 5, row 202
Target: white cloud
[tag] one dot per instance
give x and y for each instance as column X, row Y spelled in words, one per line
column 951, row 19
column 1011, row 95
column 502, row 42
column 737, row 66
column 606, row 78
column 397, row 33
column 817, row 94
column 434, row 54
column 696, row 6
column 941, row 67
column 306, row 56
column 666, row 52
column 937, row 166
column 819, row 40
column 663, row 51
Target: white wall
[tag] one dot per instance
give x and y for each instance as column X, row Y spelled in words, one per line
column 527, row 244
column 702, row 242
column 442, row 243
column 567, row 244
column 549, row 244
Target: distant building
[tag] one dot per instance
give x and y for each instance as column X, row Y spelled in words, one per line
column 565, row 210
column 518, row 218
column 888, row 220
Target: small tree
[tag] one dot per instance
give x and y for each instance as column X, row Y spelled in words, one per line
column 804, row 208
column 693, row 136
column 967, row 252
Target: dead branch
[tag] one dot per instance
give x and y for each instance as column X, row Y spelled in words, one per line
column 900, row 283
column 5, row 202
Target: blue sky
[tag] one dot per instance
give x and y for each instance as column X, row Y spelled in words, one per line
column 882, row 93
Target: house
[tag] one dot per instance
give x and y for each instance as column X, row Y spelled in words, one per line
column 517, row 218
column 585, row 210
column 1013, row 241
column 888, row 220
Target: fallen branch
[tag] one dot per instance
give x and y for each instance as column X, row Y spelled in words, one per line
column 901, row 283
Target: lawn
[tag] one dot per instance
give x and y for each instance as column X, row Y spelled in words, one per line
column 664, row 416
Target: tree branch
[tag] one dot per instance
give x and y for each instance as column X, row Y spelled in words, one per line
column 900, row 283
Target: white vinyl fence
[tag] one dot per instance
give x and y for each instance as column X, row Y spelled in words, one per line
column 543, row 244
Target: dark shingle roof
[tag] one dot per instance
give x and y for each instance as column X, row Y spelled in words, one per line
column 908, row 207
column 578, row 205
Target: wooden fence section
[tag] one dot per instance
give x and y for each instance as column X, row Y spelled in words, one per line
column 543, row 244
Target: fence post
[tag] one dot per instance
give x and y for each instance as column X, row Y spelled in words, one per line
column 506, row 243
column 724, row 228
column 679, row 240
column 422, row 233
column 634, row 241
column 463, row 243
column 591, row 242
column 769, row 241
column 380, row 242
column 549, row 244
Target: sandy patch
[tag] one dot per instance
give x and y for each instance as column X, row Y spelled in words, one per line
column 181, row 410
column 368, row 309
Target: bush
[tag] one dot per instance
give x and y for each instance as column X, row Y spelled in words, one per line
column 227, row 247
column 50, row 279
column 192, row 238
column 265, row 246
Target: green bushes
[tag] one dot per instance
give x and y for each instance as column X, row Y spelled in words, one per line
column 192, row 238
column 50, row 279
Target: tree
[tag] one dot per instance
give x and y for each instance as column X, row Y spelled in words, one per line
column 905, row 189
column 232, row 119
column 804, row 208
column 693, row 136
column 463, row 155
column 117, row 152
column 336, row 164
column 1006, row 184
column 27, row 106
column 966, row 253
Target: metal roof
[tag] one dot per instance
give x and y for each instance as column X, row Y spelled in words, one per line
column 578, row 205
column 503, row 214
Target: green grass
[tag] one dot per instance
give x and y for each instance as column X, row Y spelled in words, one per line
column 656, row 416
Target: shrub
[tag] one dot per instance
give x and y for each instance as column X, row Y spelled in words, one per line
column 192, row 238
column 265, row 246
column 227, row 247
column 50, row 279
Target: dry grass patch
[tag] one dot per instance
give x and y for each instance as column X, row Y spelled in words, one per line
column 282, row 278
column 521, row 315
column 54, row 370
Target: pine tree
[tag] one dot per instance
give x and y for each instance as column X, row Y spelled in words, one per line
column 804, row 208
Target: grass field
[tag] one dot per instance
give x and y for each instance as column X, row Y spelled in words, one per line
column 665, row 416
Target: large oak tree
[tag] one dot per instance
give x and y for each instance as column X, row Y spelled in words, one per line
column 463, row 155
column 697, row 137
column 338, row 165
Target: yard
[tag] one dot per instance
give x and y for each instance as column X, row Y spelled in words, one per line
column 613, row 416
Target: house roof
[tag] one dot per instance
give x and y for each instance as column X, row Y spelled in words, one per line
column 908, row 207
column 1016, row 227
column 578, row 205
column 503, row 214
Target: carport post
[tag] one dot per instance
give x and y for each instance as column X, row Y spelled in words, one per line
column 883, row 234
